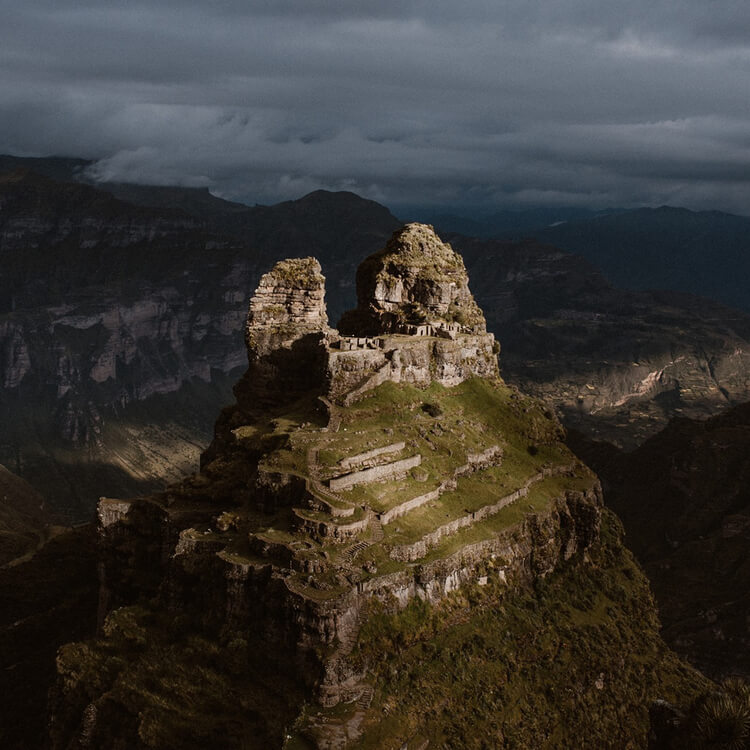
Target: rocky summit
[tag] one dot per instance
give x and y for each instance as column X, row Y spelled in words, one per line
column 415, row 281
column 360, row 550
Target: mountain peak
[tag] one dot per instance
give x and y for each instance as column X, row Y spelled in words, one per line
column 415, row 280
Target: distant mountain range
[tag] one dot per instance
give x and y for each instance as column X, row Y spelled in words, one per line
column 665, row 248
column 705, row 252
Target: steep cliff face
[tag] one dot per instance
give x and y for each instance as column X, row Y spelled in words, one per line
column 314, row 515
column 288, row 304
column 87, row 384
column 684, row 499
column 286, row 327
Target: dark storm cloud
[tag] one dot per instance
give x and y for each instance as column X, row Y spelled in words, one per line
column 498, row 103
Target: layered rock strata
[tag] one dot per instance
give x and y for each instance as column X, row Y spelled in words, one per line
column 285, row 332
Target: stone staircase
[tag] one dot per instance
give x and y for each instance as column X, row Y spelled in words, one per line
column 365, row 699
column 337, row 506
column 334, row 415
column 348, row 555
column 376, row 529
column 376, row 536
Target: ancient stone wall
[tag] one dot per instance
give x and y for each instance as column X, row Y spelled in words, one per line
column 363, row 458
column 533, row 548
column 415, row 502
column 475, row 462
column 414, row 360
column 374, row 473
column 411, row 552
column 330, row 530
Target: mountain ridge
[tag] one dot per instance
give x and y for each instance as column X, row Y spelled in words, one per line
column 368, row 501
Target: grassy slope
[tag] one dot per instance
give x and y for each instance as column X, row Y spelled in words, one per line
column 471, row 417
column 577, row 659
column 571, row 664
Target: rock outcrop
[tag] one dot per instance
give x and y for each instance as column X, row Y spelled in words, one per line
column 416, row 320
column 288, row 304
column 279, row 539
column 415, row 281
column 285, row 331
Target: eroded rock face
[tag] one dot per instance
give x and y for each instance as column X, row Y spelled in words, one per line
column 416, row 279
column 285, row 331
column 288, row 304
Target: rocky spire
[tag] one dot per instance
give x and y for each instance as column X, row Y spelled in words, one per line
column 286, row 326
column 415, row 279
column 288, row 304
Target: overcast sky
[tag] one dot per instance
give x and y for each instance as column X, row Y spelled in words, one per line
column 479, row 102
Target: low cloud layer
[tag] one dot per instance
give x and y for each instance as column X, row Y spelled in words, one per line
column 483, row 103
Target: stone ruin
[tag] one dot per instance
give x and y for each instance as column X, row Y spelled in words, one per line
column 416, row 321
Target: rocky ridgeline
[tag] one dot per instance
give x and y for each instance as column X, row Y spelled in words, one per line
column 355, row 471
column 416, row 323
column 31, row 207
